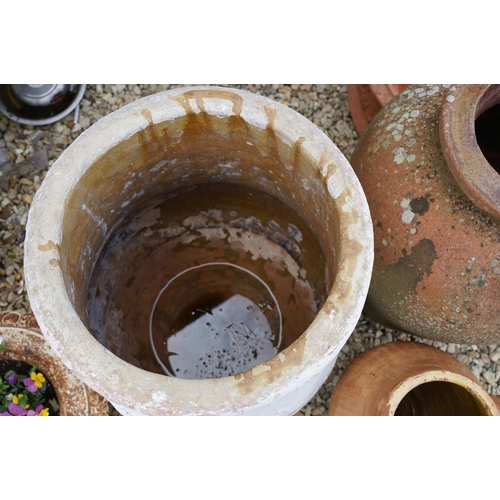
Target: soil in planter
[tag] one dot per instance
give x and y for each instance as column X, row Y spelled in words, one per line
column 207, row 282
column 22, row 369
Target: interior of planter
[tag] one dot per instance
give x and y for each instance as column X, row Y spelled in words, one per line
column 487, row 126
column 440, row 399
column 201, row 246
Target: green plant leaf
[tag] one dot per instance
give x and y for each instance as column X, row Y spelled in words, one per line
column 3, row 347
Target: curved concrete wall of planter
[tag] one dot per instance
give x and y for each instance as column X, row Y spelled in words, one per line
column 165, row 143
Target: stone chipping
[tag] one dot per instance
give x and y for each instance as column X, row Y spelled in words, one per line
column 27, row 152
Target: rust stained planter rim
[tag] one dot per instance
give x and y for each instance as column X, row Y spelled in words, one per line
column 25, row 342
column 472, row 171
column 149, row 393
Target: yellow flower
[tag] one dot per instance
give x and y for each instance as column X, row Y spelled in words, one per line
column 44, row 413
column 15, row 399
column 38, row 378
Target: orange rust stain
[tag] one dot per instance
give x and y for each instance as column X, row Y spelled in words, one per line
column 147, row 114
column 325, row 162
column 324, row 159
column 297, row 150
column 50, row 245
column 271, row 116
column 352, row 216
column 199, row 95
column 353, row 249
column 344, row 291
column 184, row 102
column 329, row 308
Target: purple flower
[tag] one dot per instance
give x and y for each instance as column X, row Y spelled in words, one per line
column 16, row 410
column 30, row 384
column 11, row 379
column 5, row 414
column 35, row 412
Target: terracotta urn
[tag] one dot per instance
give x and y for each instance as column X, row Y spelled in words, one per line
column 366, row 100
column 429, row 165
column 410, row 379
column 202, row 251
column 25, row 342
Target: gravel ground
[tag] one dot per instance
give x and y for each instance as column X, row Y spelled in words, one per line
column 26, row 152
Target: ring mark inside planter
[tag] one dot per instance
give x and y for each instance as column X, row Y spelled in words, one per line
column 232, row 322
column 217, row 254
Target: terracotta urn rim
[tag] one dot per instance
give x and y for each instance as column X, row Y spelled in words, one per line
column 473, row 388
column 376, row 381
column 365, row 100
column 160, row 394
column 472, row 171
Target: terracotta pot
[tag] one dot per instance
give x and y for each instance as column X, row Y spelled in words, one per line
column 435, row 203
column 366, row 100
column 409, row 379
column 25, row 342
column 170, row 210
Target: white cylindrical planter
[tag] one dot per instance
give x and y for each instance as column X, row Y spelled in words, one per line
column 186, row 209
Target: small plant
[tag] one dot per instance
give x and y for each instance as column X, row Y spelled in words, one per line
column 22, row 395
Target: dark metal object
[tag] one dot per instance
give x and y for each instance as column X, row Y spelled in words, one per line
column 39, row 104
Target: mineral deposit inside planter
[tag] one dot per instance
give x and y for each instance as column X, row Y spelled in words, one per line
column 206, row 282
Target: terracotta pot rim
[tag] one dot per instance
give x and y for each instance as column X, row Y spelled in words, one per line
column 107, row 373
column 26, row 343
column 473, row 388
column 384, row 92
column 377, row 380
column 472, row 171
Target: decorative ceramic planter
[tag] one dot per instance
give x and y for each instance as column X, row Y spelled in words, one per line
column 192, row 208
column 366, row 100
column 25, row 342
column 410, row 379
column 429, row 167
